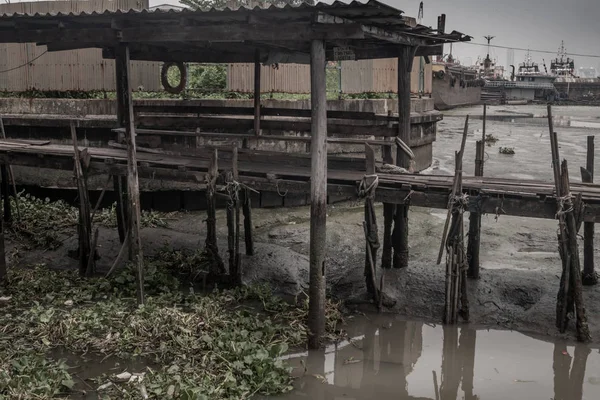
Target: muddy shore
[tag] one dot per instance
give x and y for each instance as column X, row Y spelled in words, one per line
column 517, row 290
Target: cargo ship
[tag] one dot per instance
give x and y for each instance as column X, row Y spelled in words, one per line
column 454, row 85
column 582, row 87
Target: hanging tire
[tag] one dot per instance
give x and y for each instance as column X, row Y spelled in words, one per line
column 164, row 78
column 440, row 74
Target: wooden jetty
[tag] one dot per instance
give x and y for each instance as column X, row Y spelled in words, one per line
column 304, row 34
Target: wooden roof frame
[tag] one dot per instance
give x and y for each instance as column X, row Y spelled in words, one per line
column 280, row 34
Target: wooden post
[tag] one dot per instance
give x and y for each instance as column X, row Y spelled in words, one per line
column 233, row 221
column 475, row 220
column 3, row 267
column 248, row 228
column 318, row 194
column 11, row 177
column 400, row 234
column 5, row 193
column 85, row 220
column 210, row 246
column 133, row 189
column 587, row 176
column 120, row 190
column 483, row 135
column 257, row 92
column 371, row 235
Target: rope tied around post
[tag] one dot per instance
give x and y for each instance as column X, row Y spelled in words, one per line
column 392, row 169
column 366, row 189
column 566, row 200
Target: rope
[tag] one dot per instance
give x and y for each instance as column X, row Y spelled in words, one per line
column 392, row 169
column 368, row 191
column 499, row 210
column 279, row 192
column 460, row 202
column 562, row 201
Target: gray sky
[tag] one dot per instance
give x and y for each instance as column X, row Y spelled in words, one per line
column 535, row 24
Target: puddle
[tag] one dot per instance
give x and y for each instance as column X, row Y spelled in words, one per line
column 391, row 358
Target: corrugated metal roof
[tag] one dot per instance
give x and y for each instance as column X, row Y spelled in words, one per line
column 371, row 12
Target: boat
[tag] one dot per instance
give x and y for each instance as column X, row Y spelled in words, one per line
column 454, row 85
column 582, row 86
column 528, row 84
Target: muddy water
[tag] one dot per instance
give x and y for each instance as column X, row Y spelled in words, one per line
column 391, row 358
column 527, row 133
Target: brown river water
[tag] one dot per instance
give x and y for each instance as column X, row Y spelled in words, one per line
column 389, row 358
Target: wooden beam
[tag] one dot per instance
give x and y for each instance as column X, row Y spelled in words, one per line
column 589, row 276
column 318, row 206
column 133, row 189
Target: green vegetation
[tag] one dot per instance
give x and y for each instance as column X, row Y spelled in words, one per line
column 490, row 139
column 186, row 344
column 224, row 345
column 45, row 223
column 507, row 150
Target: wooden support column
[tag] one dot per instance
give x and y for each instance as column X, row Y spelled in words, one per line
column 368, row 186
column 86, row 259
column 318, row 194
column 6, row 193
column 589, row 277
column 474, row 239
column 248, row 228
column 257, row 92
column 133, row 189
column 233, row 221
column 400, row 234
column 120, row 182
column 210, row 245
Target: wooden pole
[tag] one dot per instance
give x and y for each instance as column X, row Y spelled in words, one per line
column 85, row 222
column 587, row 176
column 248, row 228
column 483, row 135
column 400, row 233
column 217, row 267
column 5, row 193
column 119, row 184
column 583, row 332
column 133, row 189
column 318, row 194
column 257, row 92
column 11, row 175
column 454, row 191
column 370, row 223
column 475, row 220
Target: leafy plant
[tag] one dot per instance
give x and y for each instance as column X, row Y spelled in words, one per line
column 507, row 150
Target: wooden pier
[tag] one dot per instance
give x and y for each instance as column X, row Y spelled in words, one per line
column 305, row 34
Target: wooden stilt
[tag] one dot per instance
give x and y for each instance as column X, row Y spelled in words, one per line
column 248, row 228
column 3, row 266
column 475, row 221
column 119, row 185
column 85, row 221
column 257, row 92
column 318, row 205
column 233, row 222
column 210, row 246
column 453, row 241
column 11, row 178
column 133, row 189
column 370, row 223
column 6, row 193
column 400, row 234
column 587, row 176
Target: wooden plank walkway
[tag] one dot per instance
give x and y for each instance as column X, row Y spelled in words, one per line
column 525, row 198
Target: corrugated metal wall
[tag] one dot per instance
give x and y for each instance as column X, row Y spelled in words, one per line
column 374, row 76
column 68, row 70
column 280, row 78
column 380, row 76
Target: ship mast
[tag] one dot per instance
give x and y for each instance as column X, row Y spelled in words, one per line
column 487, row 63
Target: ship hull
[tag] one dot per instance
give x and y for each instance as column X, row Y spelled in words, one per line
column 445, row 96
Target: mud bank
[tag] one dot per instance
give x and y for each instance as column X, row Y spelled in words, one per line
column 517, row 290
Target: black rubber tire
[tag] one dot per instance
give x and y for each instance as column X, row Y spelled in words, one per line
column 165, row 81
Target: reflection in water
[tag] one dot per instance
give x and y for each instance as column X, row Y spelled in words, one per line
column 389, row 358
